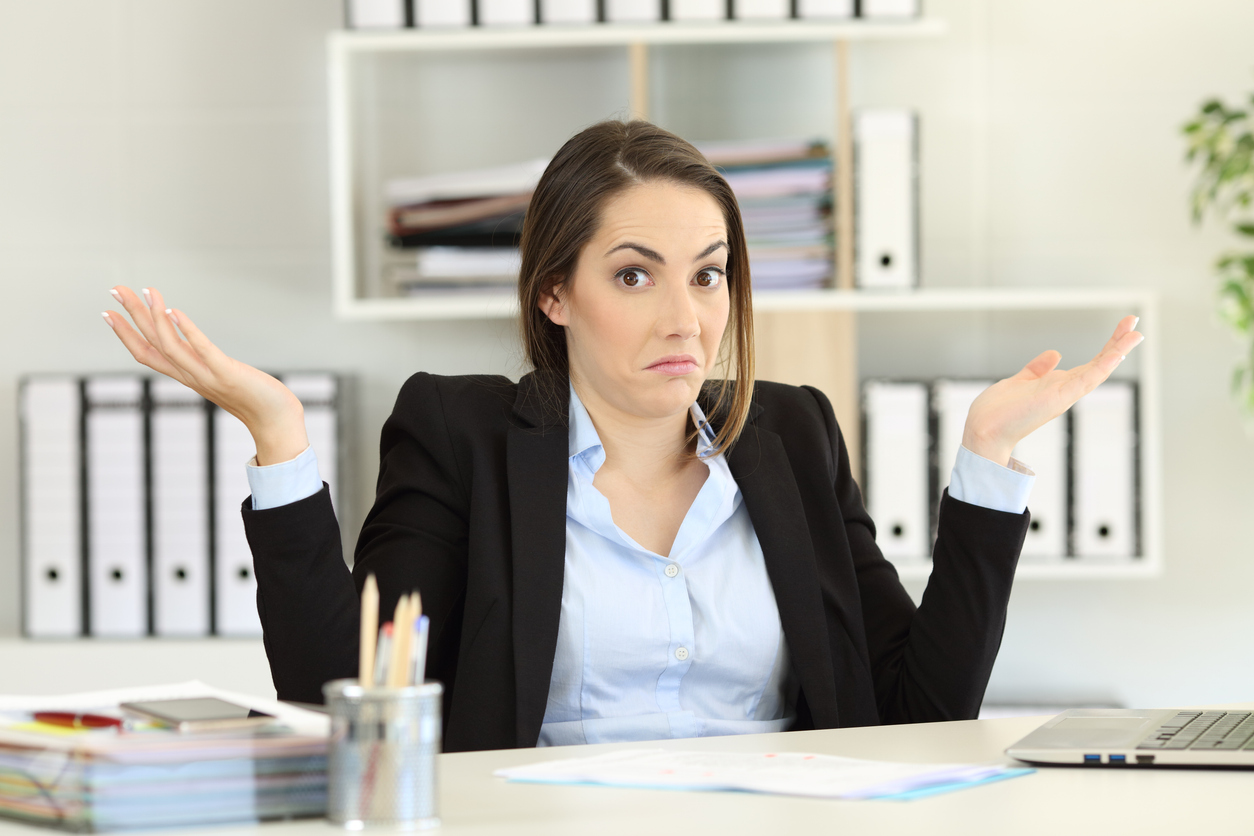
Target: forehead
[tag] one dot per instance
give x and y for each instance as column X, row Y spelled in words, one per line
column 662, row 211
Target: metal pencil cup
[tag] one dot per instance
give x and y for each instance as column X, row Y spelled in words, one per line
column 381, row 761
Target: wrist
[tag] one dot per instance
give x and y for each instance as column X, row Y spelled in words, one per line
column 281, row 437
column 994, row 449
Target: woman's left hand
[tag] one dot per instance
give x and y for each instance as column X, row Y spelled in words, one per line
column 1009, row 410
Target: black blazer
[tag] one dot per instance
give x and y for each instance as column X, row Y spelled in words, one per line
column 470, row 509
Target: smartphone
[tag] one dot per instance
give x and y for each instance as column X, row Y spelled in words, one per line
column 198, row 714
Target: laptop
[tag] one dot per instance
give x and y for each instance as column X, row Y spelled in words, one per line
column 1132, row 737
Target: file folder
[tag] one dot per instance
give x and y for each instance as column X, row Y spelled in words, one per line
column 698, row 10
column 886, row 198
column 117, row 536
column 761, row 9
column 1045, row 452
column 1103, row 438
column 318, row 395
column 898, row 9
column 568, row 11
column 633, row 11
column 896, row 481
column 825, row 9
column 52, row 548
column 506, row 12
column 235, row 585
column 377, row 14
column 951, row 401
column 179, row 448
column 441, row 13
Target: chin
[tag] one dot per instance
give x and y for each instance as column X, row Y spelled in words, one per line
column 669, row 396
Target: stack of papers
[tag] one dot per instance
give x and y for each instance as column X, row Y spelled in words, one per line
column 95, row 780
column 776, row 773
column 458, row 230
column 784, row 188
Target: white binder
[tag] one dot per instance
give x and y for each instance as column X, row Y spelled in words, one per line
column 179, row 450
column 506, row 12
column 1103, row 438
column 376, row 14
column 51, row 501
column 761, row 9
column 896, row 417
column 633, row 11
column 698, row 10
column 235, row 587
column 825, row 9
column 568, row 11
column 951, row 401
column 1045, row 451
column 117, row 539
column 441, row 13
column 318, row 394
column 890, row 8
column 886, row 198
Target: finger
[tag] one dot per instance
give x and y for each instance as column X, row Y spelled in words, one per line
column 138, row 310
column 174, row 347
column 212, row 356
column 1124, row 327
column 1041, row 365
column 140, row 348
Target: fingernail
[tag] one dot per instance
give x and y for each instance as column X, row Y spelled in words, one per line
column 1134, row 322
column 147, row 297
column 116, row 295
column 107, row 318
column 170, row 313
column 1122, row 357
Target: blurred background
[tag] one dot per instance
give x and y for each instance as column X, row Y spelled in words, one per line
column 186, row 145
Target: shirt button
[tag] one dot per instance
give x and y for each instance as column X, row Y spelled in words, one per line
column 671, row 570
column 681, row 654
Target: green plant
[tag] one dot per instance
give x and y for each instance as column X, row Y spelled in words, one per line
column 1221, row 139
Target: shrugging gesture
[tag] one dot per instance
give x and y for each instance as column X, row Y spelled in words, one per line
column 1008, row 411
column 268, row 408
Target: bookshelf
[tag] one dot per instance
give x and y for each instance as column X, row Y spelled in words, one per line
column 803, row 336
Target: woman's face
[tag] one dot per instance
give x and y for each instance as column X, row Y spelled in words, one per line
column 648, row 302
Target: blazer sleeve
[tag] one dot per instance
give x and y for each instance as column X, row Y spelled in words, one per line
column 413, row 538
column 932, row 662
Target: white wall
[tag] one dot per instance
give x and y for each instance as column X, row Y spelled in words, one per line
column 182, row 144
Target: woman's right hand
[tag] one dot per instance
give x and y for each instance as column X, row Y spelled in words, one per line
column 267, row 408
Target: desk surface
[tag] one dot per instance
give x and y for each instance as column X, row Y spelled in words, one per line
column 1051, row 801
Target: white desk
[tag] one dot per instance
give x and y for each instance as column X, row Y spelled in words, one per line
column 1052, row 801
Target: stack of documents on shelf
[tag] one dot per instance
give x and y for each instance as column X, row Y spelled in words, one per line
column 458, row 230
column 775, row 773
column 784, row 188
column 103, row 779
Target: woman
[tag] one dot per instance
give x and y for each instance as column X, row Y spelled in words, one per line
column 598, row 562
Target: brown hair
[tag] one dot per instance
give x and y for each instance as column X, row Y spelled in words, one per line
column 565, row 211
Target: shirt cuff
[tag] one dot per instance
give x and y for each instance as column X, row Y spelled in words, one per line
column 983, row 482
column 284, row 483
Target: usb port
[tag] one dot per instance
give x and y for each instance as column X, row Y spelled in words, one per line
column 1092, row 758
column 1145, row 759
column 1118, row 758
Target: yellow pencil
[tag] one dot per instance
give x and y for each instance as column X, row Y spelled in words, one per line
column 369, row 632
column 395, row 675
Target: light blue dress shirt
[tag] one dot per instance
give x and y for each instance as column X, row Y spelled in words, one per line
column 651, row 646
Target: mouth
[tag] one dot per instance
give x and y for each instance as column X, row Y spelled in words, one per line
column 674, row 365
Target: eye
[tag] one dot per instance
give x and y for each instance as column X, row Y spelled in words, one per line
column 709, row 277
column 632, row 277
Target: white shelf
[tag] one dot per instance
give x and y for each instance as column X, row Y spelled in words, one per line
column 1066, row 569
column 505, row 304
column 621, row 34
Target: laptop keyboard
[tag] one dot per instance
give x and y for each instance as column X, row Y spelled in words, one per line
column 1204, row 730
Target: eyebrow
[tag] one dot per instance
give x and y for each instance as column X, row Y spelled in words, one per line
column 654, row 255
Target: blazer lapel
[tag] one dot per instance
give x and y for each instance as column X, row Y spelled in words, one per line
column 536, row 472
column 760, row 465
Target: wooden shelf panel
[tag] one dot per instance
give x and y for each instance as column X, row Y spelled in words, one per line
column 621, row 34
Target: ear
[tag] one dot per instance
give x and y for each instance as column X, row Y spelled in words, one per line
column 553, row 306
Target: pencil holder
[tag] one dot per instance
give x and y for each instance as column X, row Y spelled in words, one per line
column 381, row 760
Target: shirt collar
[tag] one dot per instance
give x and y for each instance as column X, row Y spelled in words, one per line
column 584, row 440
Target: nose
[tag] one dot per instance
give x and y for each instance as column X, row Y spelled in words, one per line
column 678, row 317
